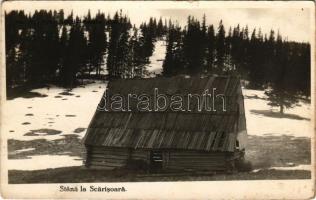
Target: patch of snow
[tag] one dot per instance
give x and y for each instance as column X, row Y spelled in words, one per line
column 23, row 150
column 156, row 60
column 261, row 125
column 51, row 109
column 44, row 162
column 298, row 167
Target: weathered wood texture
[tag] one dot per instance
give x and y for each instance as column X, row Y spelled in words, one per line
column 191, row 130
column 189, row 140
column 111, row 158
column 197, row 160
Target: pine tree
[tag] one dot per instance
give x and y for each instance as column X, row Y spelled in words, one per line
column 70, row 19
column 148, row 34
column 11, row 42
column 137, row 54
column 97, row 42
column 63, row 60
column 133, row 54
column 194, row 46
column 113, row 45
column 236, row 46
column 89, row 27
column 220, row 47
column 160, row 28
column 210, row 55
column 280, row 92
column 52, row 46
column 174, row 62
column 36, row 52
column 60, row 17
column 121, row 56
column 255, row 61
column 303, row 68
column 118, row 47
column 204, row 45
column 168, row 61
column 76, row 59
column 270, row 65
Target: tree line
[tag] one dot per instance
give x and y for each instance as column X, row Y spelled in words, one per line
column 266, row 61
column 49, row 47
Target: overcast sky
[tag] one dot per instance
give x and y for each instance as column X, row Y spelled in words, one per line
column 293, row 21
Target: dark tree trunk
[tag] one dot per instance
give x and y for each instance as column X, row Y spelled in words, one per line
column 281, row 109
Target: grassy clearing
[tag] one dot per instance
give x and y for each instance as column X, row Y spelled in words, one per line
column 262, row 152
column 278, row 151
column 80, row 175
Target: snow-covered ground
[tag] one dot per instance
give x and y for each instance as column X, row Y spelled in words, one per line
column 156, row 60
column 44, row 162
column 59, row 112
column 66, row 113
column 263, row 120
column 298, row 167
column 63, row 114
column 76, row 112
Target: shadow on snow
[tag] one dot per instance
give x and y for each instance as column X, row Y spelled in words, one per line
column 269, row 113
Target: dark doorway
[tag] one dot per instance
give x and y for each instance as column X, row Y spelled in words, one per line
column 156, row 161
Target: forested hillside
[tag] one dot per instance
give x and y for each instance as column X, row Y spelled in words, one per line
column 50, row 47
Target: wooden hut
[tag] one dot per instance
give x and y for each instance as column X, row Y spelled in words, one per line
column 170, row 140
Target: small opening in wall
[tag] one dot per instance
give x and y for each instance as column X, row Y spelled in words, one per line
column 237, row 144
column 156, row 160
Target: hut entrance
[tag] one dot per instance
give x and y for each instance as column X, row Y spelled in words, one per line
column 156, row 160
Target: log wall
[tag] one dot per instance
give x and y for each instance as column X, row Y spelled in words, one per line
column 111, row 158
column 195, row 160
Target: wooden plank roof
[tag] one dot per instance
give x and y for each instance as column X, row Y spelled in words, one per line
column 206, row 131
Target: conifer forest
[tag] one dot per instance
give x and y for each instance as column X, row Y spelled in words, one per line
column 65, row 61
column 49, row 47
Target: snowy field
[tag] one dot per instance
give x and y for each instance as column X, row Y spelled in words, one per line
column 156, row 60
column 263, row 120
column 60, row 119
column 51, row 118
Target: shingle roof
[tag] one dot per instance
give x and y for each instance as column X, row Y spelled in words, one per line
column 207, row 131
